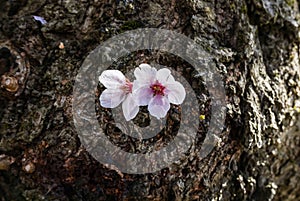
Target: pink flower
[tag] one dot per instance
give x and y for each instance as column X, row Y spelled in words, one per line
column 118, row 90
column 157, row 89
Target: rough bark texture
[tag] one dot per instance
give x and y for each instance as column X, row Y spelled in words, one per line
column 256, row 48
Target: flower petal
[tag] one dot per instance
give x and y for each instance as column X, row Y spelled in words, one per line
column 159, row 106
column 141, row 93
column 112, row 79
column 145, row 74
column 175, row 92
column 130, row 108
column 40, row 19
column 164, row 76
column 111, row 98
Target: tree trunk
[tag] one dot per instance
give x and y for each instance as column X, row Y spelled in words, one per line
column 255, row 47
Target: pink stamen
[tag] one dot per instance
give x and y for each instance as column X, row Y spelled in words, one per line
column 127, row 87
column 158, row 89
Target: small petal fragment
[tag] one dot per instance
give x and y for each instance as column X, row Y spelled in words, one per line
column 40, row 19
column 130, row 108
column 159, row 106
column 112, row 79
column 111, row 98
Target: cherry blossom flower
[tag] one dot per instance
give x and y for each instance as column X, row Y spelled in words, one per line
column 157, row 89
column 118, row 90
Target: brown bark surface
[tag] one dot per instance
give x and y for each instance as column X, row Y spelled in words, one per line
column 255, row 46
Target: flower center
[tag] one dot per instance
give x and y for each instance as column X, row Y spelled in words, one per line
column 127, row 87
column 158, row 89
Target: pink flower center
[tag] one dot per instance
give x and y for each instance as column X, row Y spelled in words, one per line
column 158, row 89
column 127, row 87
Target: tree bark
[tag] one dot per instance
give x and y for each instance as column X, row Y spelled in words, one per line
column 255, row 46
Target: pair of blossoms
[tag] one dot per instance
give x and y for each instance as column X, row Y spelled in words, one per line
column 157, row 89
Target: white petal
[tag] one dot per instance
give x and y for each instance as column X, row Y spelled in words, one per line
column 112, row 79
column 130, row 108
column 40, row 19
column 136, row 85
column 164, row 76
column 111, row 98
column 145, row 74
column 141, row 93
column 175, row 92
column 159, row 106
